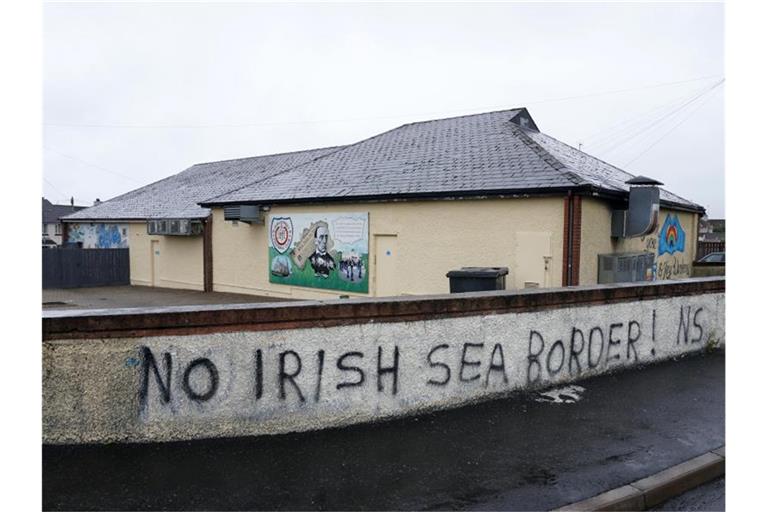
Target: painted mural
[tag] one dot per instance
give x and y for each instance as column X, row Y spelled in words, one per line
column 320, row 251
column 671, row 263
column 671, row 236
column 99, row 236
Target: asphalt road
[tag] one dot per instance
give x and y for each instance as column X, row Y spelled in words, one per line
column 516, row 453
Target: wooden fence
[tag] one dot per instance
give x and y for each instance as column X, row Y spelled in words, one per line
column 78, row 268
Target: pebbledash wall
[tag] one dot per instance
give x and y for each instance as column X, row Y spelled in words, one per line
column 240, row 370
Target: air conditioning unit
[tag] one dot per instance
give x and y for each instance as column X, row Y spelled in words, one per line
column 250, row 213
column 625, row 267
column 176, row 227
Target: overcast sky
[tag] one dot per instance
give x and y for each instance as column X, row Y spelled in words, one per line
column 135, row 93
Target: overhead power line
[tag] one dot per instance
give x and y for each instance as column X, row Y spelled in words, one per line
column 91, row 164
column 279, row 123
column 668, row 132
column 63, row 196
column 655, row 124
column 617, row 130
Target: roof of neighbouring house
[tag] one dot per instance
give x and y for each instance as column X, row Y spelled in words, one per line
column 52, row 212
column 475, row 155
column 178, row 196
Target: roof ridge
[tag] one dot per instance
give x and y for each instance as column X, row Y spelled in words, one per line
column 546, row 156
column 263, row 156
column 589, row 155
column 337, row 149
column 348, row 146
column 461, row 116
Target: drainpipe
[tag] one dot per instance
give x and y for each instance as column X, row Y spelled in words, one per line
column 567, row 240
column 208, row 254
column 571, row 239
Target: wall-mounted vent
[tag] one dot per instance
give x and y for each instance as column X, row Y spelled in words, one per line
column 625, row 267
column 250, row 213
column 642, row 217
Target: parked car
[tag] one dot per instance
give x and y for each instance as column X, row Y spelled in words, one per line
column 49, row 244
column 713, row 257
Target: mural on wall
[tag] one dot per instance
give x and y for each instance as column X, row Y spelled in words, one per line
column 671, row 236
column 99, row 236
column 671, row 248
column 320, row 251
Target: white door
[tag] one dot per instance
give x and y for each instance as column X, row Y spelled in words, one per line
column 533, row 260
column 385, row 264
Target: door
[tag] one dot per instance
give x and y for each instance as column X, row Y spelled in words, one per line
column 154, row 259
column 533, row 260
column 385, row 263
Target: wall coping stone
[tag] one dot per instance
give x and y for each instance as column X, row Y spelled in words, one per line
column 190, row 320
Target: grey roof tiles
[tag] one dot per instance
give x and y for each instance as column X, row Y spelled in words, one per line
column 178, row 196
column 52, row 212
column 467, row 155
column 475, row 154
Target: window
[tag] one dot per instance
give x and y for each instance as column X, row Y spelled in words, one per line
column 57, row 228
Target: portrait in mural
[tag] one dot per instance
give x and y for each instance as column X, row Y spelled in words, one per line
column 671, row 236
column 320, row 251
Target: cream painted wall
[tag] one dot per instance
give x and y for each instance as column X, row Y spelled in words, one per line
column 433, row 238
column 596, row 239
column 180, row 259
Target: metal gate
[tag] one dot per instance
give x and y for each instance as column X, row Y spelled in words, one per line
column 79, row 268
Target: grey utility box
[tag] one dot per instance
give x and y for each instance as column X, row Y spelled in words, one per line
column 626, row 267
column 478, row 279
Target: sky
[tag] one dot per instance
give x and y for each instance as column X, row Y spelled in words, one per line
column 134, row 93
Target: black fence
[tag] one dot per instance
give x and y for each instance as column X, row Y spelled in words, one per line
column 79, row 268
column 704, row 248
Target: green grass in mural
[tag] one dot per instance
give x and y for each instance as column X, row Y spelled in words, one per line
column 306, row 277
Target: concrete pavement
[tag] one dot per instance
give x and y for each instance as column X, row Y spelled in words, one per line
column 139, row 296
column 526, row 452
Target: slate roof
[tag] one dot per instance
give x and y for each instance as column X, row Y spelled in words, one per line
column 178, row 196
column 52, row 212
column 481, row 154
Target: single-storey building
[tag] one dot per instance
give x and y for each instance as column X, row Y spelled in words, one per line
column 162, row 224
column 392, row 214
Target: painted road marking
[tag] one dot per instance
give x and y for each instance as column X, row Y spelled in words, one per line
column 565, row 394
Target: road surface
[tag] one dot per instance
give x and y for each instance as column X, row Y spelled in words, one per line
column 525, row 452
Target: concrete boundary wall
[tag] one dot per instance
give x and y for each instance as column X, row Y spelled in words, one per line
column 164, row 374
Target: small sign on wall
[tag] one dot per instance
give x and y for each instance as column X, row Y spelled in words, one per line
column 320, row 250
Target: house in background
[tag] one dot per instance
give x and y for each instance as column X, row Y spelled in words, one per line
column 711, row 230
column 52, row 226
